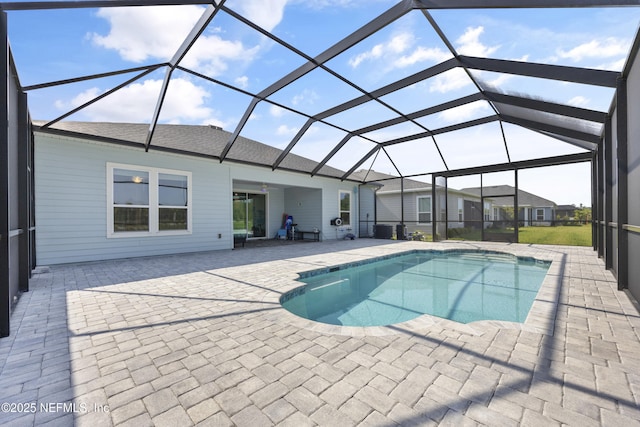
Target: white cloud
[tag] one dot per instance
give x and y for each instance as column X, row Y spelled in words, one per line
column 211, row 54
column 499, row 81
column 140, row 33
column 265, row 13
column 322, row 4
column 604, row 48
column 184, row 103
column 422, row 54
column 464, row 112
column 242, row 82
column 286, row 130
column 469, row 43
column 579, row 101
column 156, row 32
column 397, row 53
column 451, row 80
column 276, row 111
column 78, row 100
column 616, row 65
column 307, row 96
column 397, row 44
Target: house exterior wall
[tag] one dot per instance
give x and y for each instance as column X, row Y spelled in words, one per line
column 305, row 205
column 389, row 209
column 71, row 213
column 12, row 145
column 548, row 215
column 318, row 198
column 633, row 181
column 366, row 210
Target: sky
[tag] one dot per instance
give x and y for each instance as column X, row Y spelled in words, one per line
column 54, row 45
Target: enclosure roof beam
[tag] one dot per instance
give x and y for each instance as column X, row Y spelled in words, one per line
column 331, row 154
column 360, row 34
column 552, row 129
column 417, row 4
column 548, row 107
column 361, row 161
column 187, row 43
column 93, row 4
column 445, row 129
column 357, row 36
column 99, row 97
column 586, row 76
column 425, row 112
column 400, row 84
column 511, row 4
column 585, row 145
column 522, row 164
column 209, row 13
column 92, row 77
column 293, row 142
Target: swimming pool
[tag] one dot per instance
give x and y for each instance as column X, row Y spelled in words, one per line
column 464, row 286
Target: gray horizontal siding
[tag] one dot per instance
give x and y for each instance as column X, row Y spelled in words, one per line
column 71, row 211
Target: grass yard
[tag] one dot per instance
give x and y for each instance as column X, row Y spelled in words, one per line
column 572, row 235
column 568, row 235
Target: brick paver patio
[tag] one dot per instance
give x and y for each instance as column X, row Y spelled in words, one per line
column 200, row 339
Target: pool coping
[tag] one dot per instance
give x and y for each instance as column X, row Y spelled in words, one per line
column 540, row 319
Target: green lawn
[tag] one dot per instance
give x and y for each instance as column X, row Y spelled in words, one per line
column 572, row 235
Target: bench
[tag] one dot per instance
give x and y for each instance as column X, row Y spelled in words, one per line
column 314, row 235
column 239, row 239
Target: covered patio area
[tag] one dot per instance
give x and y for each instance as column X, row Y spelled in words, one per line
column 200, row 339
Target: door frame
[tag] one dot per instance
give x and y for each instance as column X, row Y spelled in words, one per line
column 266, row 211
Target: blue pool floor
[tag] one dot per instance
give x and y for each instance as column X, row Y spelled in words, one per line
column 463, row 287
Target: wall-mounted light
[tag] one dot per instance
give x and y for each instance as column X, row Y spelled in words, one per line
column 264, row 188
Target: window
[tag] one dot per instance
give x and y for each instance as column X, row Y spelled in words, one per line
column 539, row 214
column 460, row 209
column 130, row 200
column 173, row 202
column 345, row 207
column 149, row 201
column 424, row 209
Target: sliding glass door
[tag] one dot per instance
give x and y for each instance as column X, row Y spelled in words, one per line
column 250, row 214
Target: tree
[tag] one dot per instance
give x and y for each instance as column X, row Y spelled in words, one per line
column 583, row 214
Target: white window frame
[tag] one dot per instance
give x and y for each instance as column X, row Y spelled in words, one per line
column 340, row 211
column 154, row 207
column 430, row 212
column 538, row 210
column 460, row 209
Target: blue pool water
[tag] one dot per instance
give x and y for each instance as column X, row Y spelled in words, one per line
column 464, row 286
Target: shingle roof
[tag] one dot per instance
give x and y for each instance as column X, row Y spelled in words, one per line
column 524, row 198
column 389, row 182
column 207, row 141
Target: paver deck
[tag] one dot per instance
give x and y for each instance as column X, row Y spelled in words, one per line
column 200, row 339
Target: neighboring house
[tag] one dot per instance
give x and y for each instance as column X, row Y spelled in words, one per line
column 409, row 201
column 101, row 196
column 566, row 211
column 532, row 209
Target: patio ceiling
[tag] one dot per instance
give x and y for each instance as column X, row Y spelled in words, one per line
column 454, row 101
